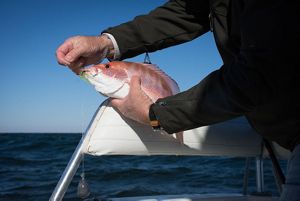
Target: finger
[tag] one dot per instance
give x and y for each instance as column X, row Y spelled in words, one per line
column 76, row 66
column 61, row 59
column 135, row 83
column 135, row 89
column 62, row 51
column 73, row 55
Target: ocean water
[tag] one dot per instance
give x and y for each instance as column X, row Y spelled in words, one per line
column 31, row 165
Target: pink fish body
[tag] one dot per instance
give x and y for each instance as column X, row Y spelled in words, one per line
column 112, row 79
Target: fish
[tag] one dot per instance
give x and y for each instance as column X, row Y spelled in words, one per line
column 112, row 79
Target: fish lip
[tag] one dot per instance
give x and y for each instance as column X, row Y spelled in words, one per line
column 87, row 72
column 83, row 76
column 82, row 73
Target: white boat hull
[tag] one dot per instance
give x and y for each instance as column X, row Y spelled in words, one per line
column 113, row 134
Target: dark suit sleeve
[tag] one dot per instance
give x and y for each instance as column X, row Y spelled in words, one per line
column 170, row 24
column 260, row 80
column 224, row 94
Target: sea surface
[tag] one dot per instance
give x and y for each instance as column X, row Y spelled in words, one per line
column 31, row 165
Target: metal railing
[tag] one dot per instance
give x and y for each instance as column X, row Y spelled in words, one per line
column 74, row 162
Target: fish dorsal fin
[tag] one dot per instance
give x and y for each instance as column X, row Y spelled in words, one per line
column 173, row 83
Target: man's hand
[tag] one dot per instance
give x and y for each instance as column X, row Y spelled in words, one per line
column 79, row 51
column 136, row 104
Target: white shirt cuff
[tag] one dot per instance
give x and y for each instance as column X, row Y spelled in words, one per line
column 117, row 54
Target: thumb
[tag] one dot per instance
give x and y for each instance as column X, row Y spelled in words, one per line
column 73, row 55
column 76, row 66
column 115, row 102
column 135, row 83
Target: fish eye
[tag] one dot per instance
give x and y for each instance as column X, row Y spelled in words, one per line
column 107, row 66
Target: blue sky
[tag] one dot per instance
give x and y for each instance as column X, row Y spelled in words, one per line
column 38, row 95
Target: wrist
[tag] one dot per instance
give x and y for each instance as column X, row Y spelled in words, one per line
column 105, row 42
column 154, row 121
column 116, row 51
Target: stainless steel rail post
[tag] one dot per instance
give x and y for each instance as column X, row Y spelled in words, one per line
column 74, row 162
column 259, row 174
column 68, row 174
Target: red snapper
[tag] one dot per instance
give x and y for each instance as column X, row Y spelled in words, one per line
column 112, row 79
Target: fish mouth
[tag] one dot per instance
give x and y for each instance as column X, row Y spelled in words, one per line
column 90, row 71
column 83, row 75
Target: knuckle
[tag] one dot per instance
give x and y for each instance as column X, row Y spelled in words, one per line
column 77, row 37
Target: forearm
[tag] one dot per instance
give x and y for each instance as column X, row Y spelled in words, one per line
column 227, row 93
column 171, row 24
